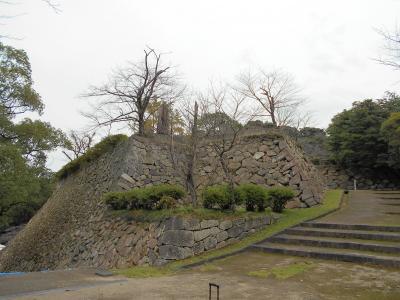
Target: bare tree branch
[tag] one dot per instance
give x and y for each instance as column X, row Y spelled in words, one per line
column 125, row 98
column 276, row 94
column 54, row 5
column 392, row 48
column 78, row 144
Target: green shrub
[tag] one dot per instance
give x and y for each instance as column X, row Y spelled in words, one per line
column 151, row 197
column 158, row 191
column 279, row 197
column 253, row 196
column 115, row 200
column 166, row 202
column 219, row 196
column 92, row 154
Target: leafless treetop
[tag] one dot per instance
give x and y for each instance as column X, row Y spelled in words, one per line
column 392, row 48
column 275, row 92
column 78, row 144
column 127, row 94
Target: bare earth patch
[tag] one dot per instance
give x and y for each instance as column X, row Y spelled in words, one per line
column 253, row 275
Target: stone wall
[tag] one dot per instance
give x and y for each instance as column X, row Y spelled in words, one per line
column 339, row 178
column 72, row 228
column 265, row 159
column 119, row 243
column 152, row 161
column 47, row 241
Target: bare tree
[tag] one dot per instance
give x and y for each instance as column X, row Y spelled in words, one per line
column 124, row 99
column 392, row 48
column 78, row 144
column 222, row 123
column 275, row 93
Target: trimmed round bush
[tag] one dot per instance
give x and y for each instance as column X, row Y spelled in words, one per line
column 253, row 196
column 218, row 196
column 280, row 196
column 145, row 198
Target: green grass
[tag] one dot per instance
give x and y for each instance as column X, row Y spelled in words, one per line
column 283, row 272
column 291, row 270
column 259, row 273
column 288, row 218
column 143, row 272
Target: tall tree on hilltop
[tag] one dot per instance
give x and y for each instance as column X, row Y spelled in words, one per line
column 126, row 97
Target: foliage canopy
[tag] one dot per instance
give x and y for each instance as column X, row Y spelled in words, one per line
column 355, row 137
column 25, row 182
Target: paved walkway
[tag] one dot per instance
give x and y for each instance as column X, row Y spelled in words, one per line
column 368, row 207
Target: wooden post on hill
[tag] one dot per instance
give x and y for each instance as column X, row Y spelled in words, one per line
column 163, row 126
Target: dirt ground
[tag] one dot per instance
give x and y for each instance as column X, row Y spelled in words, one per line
column 251, row 275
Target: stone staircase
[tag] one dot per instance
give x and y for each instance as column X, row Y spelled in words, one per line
column 379, row 245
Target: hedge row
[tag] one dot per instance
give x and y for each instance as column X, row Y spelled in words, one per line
column 254, row 197
column 161, row 196
column 106, row 145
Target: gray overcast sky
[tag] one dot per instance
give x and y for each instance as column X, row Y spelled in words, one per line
column 327, row 46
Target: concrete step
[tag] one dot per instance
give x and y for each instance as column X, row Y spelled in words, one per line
column 351, row 226
column 328, row 253
column 338, row 243
column 342, row 233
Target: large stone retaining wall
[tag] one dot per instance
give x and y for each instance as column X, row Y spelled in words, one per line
column 268, row 159
column 73, row 229
column 265, row 159
column 47, row 241
column 116, row 242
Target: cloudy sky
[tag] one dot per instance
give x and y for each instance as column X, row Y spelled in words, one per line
column 328, row 46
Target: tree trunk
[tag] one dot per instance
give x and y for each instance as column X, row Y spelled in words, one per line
column 231, row 184
column 192, row 159
column 273, row 119
column 141, row 123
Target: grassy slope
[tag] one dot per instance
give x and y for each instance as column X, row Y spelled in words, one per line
column 289, row 218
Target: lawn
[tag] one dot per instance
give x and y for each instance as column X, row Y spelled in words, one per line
column 288, row 218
